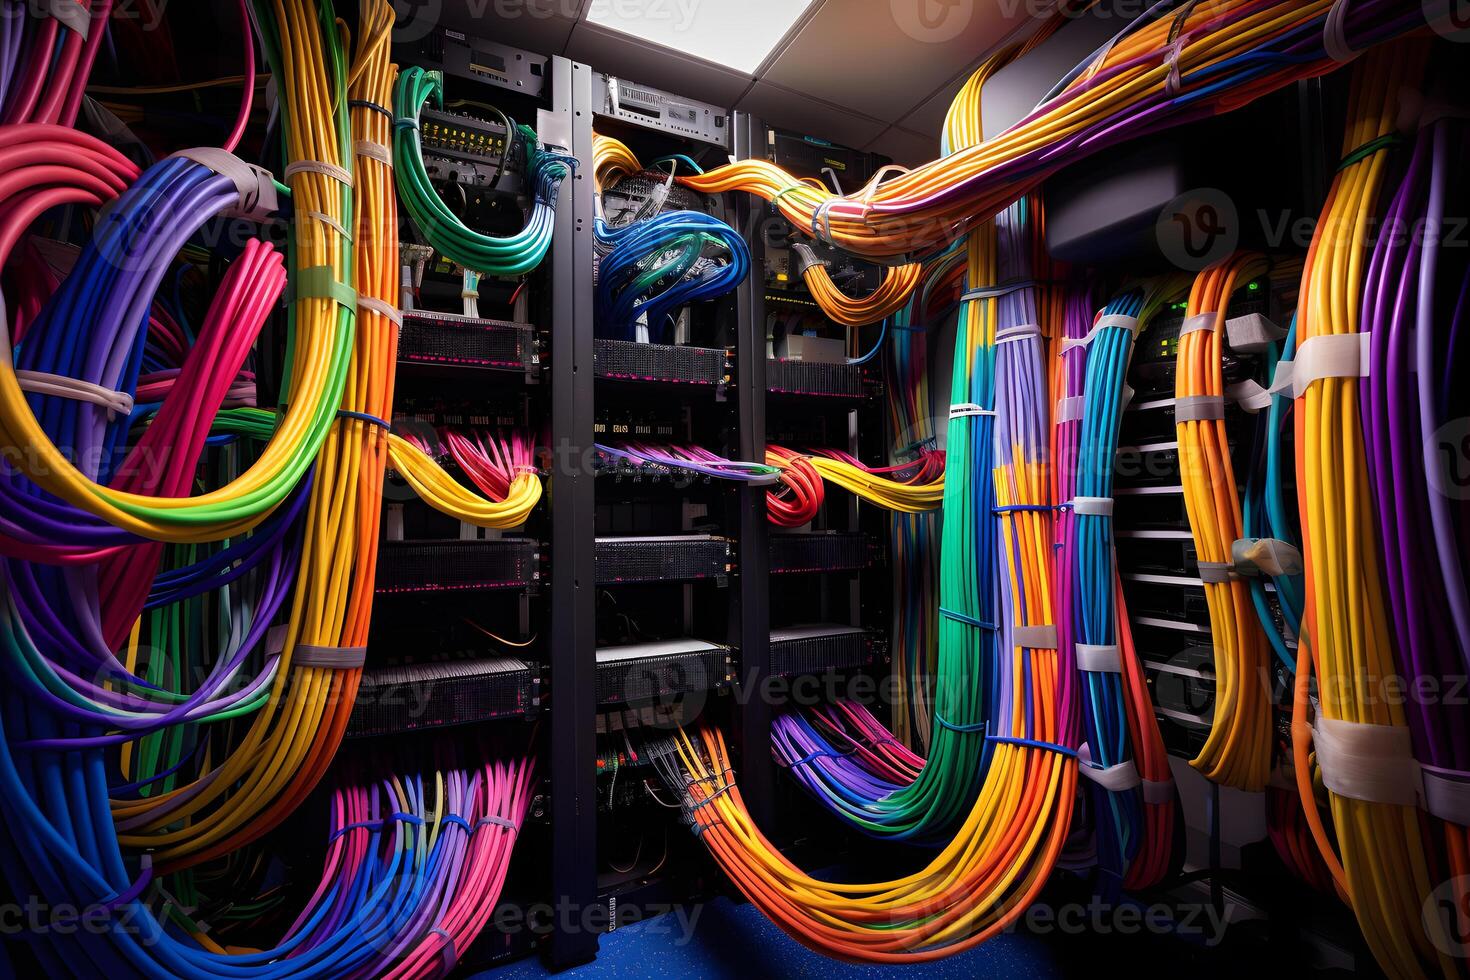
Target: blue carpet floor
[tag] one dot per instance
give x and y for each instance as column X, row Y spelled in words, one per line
column 730, row 940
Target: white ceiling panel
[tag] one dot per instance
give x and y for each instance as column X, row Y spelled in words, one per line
column 884, row 57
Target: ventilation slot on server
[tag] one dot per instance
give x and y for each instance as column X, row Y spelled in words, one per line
column 1158, row 552
column 666, row 558
column 625, row 360
column 661, row 669
column 452, row 565
column 817, row 649
column 406, row 698
column 453, row 341
column 820, row 551
column 784, row 377
column 1183, row 689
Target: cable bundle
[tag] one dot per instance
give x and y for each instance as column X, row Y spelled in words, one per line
column 802, row 491
column 1157, row 73
column 1237, row 752
column 696, row 460
column 920, row 490
column 543, row 170
column 658, row 264
column 45, row 58
column 1347, row 634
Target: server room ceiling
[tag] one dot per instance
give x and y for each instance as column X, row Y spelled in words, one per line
column 872, row 74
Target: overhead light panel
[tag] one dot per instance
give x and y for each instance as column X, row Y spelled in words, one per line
column 736, row 35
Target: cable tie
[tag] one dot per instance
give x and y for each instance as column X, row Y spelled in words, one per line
column 375, row 824
column 962, row 618
column 1032, row 743
column 1039, row 636
column 254, row 185
column 1268, row 556
column 1343, row 355
column 994, row 292
column 823, row 214
column 1217, row 572
column 1098, row 658
column 1115, row 321
column 447, row 952
column 331, row 170
column 406, row 122
column 1177, row 40
column 74, row 15
column 1334, row 34
column 331, row 223
column 1020, row 332
column 375, row 151
column 807, row 259
column 343, row 413
column 1197, row 323
column 1367, row 762
column 328, row 658
column 136, row 888
column 1119, row 778
column 491, row 820
column 1252, row 333
column 60, row 386
column 321, row 282
column 978, row 726
column 1070, row 409
column 1199, row 408
column 1092, row 506
column 964, row 409
column 381, row 307
column 458, row 821
column 1249, row 395
column 1386, row 141
column 1023, row 508
column 275, row 639
column 381, row 110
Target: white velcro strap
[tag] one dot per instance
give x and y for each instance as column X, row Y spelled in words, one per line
column 1157, row 792
column 58, row 385
column 1072, row 343
column 1021, row 331
column 1252, row 333
column 1343, row 355
column 1199, row 408
column 1249, row 395
column 1285, row 378
column 1093, row 506
column 1070, row 409
column 328, row 658
column 376, row 151
column 1446, row 794
column 255, row 185
column 1111, row 320
column 1374, row 763
column 1334, row 34
column 374, row 305
column 1115, row 779
column 1042, row 637
column 1098, row 658
column 1198, row 322
column 74, row 15
column 1269, row 556
column 331, row 223
column 967, row 408
column 1216, row 572
column 331, row 170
